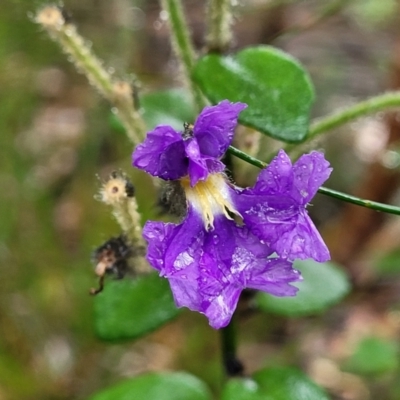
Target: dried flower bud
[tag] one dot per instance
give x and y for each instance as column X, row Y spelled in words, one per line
column 118, row 192
column 112, row 257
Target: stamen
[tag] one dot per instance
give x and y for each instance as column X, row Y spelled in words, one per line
column 209, row 198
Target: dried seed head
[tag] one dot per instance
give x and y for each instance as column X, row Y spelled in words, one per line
column 112, row 257
column 116, row 189
column 50, row 17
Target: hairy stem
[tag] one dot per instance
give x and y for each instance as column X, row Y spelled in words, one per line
column 118, row 192
column 119, row 93
column 183, row 46
column 219, row 35
column 374, row 205
column 322, row 125
column 374, row 104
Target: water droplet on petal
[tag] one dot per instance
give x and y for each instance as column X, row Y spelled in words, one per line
column 304, row 193
column 298, row 243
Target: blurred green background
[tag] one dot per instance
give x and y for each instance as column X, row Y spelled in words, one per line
column 56, row 137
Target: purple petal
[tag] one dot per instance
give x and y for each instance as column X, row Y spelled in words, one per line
column 173, row 247
column 310, row 172
column 198, row 170
column 214, row 166
column 275, row 278
column 174, row 250
column 215, row 126
column 221, row 279
column 299, row 181
column 186, row 291
column 302, row 241
column 271, row 275
column 162, row 154
column 221, row 308
column 158, row 236
column 268, row 216
column 207, row 270
column 277, row 178
column 275, row 210
column 284, row 227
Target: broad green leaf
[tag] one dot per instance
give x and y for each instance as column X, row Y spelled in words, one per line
column 287, row 384
column 241, row 389
column 274, row 384
column 323, row 285
column 168, row 107
column 128, row 309
column 374, row 356
column 275, row 86
column 157, row 386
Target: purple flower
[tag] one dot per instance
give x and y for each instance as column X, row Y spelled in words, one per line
column 208, row 269
column 171, row 155
column 275, row 208
column 208, row 258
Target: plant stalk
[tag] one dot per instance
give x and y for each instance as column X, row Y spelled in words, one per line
column 373, row 205
column 183, row 46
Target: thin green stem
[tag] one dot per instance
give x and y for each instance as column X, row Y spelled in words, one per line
column 232, row 365
column 183, row 46
column 372, row 105
column 245, row 157
column 322, row 125
column 219, row 35
column 374, row 205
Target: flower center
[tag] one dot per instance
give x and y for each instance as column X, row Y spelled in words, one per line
column 210, row 197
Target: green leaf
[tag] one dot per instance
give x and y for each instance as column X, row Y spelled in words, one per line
column 374, row 356
column 169, row 107
column 274, row 384
column 287, row 384
column 157, row 386
column 241, row 389
column 275, row 86
column 128, row 309
column 323, row 285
